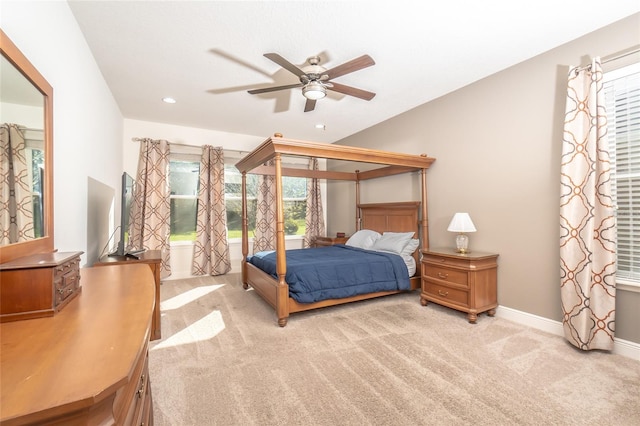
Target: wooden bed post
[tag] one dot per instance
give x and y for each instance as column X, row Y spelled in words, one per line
column 425, row 220
column 282, row 292
column 358, row 213
column 245, row 232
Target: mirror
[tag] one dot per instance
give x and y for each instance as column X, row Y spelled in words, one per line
column 26, row 156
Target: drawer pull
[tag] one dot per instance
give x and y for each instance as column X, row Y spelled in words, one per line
column 443, row 276
column 443, row 293
column 141, row 389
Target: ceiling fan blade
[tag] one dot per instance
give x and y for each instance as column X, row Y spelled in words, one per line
column 351, row 91
column 351, row 66
column 285, row 64
column 273, row 89
column 309, row 105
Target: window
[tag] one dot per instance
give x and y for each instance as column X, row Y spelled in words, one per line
column 35, row 157
column 622, row 93
column 183, row 183
column 294, row 198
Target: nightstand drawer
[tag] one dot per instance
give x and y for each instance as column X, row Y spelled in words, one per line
column 434, row 259
column 446, row 274
column 443, row 292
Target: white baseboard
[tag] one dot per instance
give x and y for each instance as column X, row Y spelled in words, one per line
column 620, row 346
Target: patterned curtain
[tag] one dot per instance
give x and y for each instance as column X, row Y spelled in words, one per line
column 587, row 223
column 150, row 211
column 211, row 249
column 314, row 218
column 16, row 198
column 265, row 231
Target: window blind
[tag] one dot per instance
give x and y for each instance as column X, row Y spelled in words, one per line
column 622, row 93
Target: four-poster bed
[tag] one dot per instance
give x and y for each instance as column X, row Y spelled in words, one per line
column 399, row 217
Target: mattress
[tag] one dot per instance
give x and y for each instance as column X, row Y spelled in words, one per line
column 335, row 272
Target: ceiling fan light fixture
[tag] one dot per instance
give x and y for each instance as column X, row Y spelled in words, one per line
column 314, row 90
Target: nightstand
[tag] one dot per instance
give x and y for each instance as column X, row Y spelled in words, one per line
column 329, row 241
column 466, row 282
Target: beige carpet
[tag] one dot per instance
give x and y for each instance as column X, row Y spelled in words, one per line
column 223, row 360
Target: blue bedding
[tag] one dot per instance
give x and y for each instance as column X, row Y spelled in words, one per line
column 335, row 272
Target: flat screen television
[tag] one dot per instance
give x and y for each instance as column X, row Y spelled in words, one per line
column 126, row 201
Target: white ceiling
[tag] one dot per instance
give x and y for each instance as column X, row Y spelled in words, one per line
column 207, row 54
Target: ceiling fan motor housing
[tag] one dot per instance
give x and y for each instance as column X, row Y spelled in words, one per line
column 313, row 71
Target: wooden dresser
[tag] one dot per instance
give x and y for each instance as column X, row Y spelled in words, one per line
column 38, row 285
column 88, row 364
column 466, row 282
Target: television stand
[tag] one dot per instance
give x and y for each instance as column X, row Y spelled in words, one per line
column 151, row 258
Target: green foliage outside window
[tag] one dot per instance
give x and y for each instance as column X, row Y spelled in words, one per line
column 183, row 181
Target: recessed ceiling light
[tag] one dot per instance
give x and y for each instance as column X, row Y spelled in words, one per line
column 320, row 126
column 169, row 100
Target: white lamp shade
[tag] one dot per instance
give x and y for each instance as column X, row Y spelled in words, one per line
column 461, row 222
column 314, row 90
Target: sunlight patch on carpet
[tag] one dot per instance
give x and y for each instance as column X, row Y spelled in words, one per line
column 204, row 329
column 182, row 299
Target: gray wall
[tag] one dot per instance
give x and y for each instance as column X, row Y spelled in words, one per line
column 497, row 145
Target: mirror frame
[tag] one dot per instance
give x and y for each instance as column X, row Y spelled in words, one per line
column 45, row 243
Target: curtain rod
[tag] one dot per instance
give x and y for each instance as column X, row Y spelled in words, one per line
column 611, row 58
column 607, row 59
column 191, row 146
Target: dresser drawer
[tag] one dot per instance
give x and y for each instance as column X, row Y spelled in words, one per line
column 66, row 281
column 446, row 274
column 63, row 293
column 141, row 397
column 71, row 277
column 445, row 293
column 66, row 268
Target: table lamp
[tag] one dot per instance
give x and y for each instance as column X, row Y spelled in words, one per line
column 461, row 223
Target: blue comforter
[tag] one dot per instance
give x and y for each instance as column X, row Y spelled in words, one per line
column 338, row 271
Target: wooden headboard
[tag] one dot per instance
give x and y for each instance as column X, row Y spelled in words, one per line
column 393, row 217
column 390, row 217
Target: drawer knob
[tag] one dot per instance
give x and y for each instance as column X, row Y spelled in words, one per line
column 443, row 276
column 443, row 293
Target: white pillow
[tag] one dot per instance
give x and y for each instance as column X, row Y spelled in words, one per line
column 363, row 239
column 393, row 242
column 411, row 265
column 411, row 246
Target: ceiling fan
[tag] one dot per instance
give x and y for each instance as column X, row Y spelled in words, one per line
column 315, row 80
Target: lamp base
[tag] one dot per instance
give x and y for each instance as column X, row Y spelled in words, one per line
column 462, row 244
